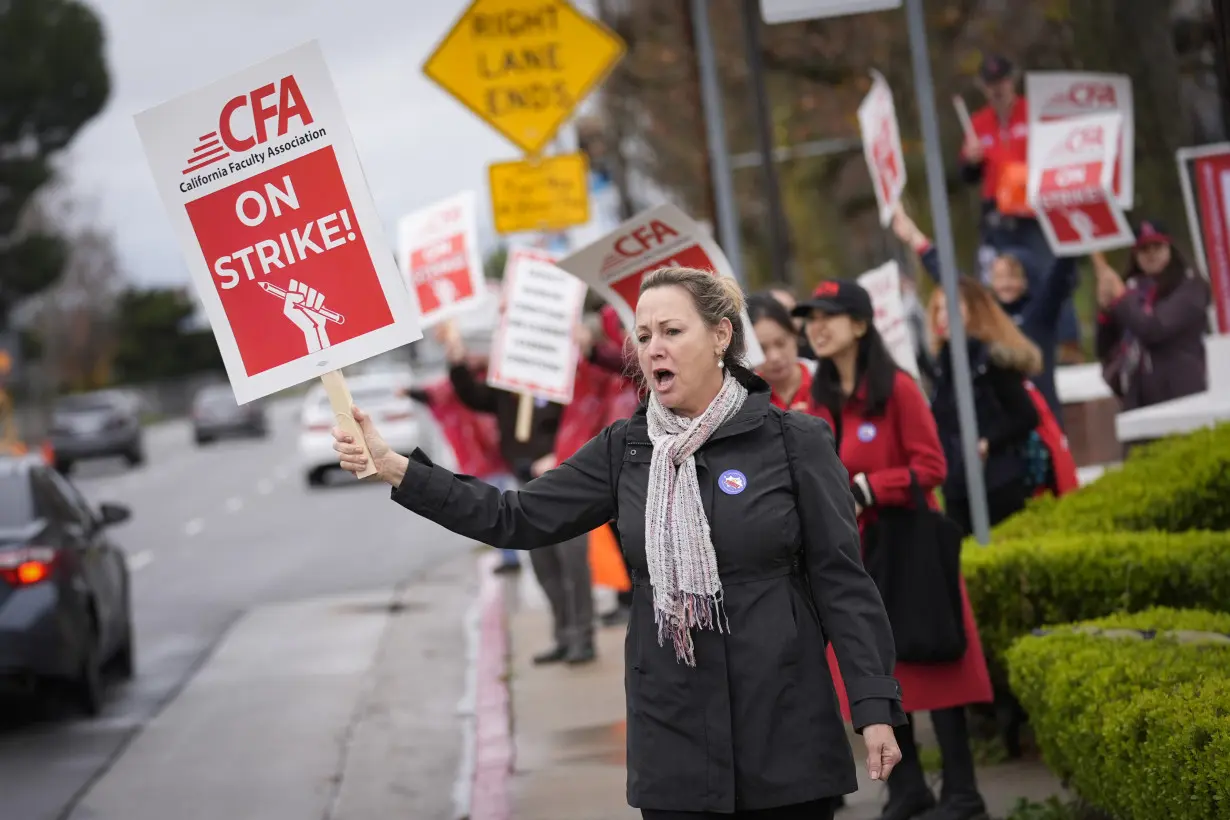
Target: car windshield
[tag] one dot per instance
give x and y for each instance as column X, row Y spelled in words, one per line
column 86, row 403
column 16, row 500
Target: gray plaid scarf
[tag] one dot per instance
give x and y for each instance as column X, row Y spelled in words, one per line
column 683, row 569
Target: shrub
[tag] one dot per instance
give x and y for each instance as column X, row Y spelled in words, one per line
column 1139, row 728
column 1176, row 484
column 1017, row 586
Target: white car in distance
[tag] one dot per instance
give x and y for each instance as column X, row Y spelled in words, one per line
column 378, row 395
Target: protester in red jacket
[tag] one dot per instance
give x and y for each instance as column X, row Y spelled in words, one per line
column 788, row 376
column 884, row 431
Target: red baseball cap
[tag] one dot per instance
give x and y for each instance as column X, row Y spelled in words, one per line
column 1151, row 232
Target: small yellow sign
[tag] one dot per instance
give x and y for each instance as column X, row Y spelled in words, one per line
column 545, row 195
column 523, row 66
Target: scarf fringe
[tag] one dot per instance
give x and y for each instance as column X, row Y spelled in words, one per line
column 690, row 611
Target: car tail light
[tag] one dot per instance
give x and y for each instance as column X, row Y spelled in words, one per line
column 27, row 566
column 398, row 415
column 320, row 427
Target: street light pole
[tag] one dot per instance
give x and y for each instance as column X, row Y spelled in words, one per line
column 924, row 88
column 715, row 131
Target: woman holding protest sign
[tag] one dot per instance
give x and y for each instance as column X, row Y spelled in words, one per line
column 725, row 669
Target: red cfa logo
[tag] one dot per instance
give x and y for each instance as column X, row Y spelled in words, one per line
column 1080, row 141
column 244, row 122
column 1083, row 97
column 639, row 240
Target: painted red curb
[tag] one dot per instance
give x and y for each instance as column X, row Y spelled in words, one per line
column 493, row 743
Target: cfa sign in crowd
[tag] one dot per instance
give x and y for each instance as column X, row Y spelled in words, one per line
column 259, row 175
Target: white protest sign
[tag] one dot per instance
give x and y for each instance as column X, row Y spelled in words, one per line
column 1071, row 168
column 535, row 350
column 438, row 252
column 884, row 286
column 265, row 193
column 1065, row 95
column 877, row 121
column 660, row 237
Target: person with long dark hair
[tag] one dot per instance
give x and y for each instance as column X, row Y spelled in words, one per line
column 788, row 376
column 887, row 440
column 1151, row 327
column 1001, row 361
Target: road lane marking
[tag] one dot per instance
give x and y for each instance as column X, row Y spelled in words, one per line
column 234, row 504
column 194, row 527
column 140, row 560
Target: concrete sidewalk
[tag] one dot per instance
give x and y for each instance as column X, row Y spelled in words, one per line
column 569, row 730
column 340, row 708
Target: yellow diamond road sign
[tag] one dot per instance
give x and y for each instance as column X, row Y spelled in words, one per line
column 549, row 195
column 523, row 65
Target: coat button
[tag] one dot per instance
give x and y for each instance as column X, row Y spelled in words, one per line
column 632, row 452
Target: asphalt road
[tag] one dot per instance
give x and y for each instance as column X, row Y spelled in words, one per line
column 215, row 532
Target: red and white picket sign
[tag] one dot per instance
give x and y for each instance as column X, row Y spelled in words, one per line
column 1071, row 170
column 1065, row 95
column 1204, row 172
column 877, row 121
column 663, row 236
column 439, row 255
column 264, row 190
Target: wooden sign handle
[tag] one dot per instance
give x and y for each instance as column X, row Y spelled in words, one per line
column 341, row 402
column 525, row 416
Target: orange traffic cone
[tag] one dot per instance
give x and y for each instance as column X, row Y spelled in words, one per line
column 48, row 453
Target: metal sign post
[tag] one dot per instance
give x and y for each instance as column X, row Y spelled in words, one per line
column 715, row 130
column 962, row 377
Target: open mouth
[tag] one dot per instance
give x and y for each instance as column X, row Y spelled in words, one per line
column 663, row 378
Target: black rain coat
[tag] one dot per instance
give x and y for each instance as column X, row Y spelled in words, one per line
column 756, row 723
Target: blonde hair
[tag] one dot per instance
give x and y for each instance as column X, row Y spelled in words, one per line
column 714, row 297
column 988, row 323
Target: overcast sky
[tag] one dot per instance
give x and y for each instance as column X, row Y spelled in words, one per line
column 417, row 144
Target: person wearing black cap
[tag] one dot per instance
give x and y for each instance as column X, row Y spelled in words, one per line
column 887, row 439
column 1152, row 322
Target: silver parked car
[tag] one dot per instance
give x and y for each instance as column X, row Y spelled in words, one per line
column 105, row 423
column 216, row 414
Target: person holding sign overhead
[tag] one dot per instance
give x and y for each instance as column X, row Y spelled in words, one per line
column 563, row 569
column 738, row 523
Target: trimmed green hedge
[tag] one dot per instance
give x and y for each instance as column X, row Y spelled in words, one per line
column 1139, row 728
column 1017, row 586
column 1176, row 484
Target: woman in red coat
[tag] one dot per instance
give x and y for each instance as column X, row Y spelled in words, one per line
column 884, row 429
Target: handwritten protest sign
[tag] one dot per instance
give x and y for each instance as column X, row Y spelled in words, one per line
column 535, row 349
column 884, row 286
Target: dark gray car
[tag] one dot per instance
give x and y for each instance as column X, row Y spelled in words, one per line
column 102, row 424
column 216, row 414
column 65, row 607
